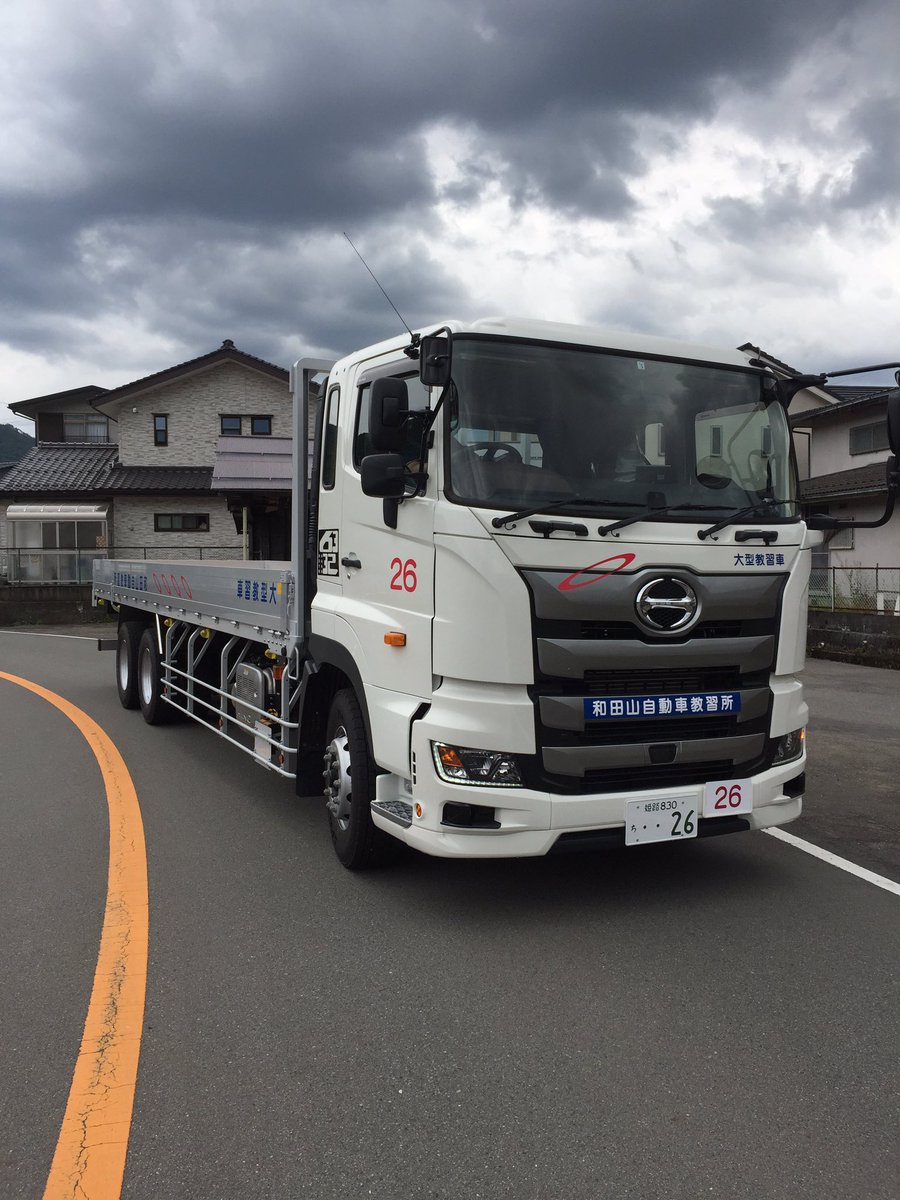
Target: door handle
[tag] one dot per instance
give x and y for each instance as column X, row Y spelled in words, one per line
column 350, row 560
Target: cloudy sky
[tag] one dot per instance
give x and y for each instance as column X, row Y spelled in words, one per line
column 180, row 172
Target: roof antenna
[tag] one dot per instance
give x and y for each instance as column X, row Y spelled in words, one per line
column 413, row 349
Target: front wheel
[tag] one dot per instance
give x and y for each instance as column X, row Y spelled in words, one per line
column 350, row 788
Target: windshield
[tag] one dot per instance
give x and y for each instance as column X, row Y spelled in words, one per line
column 534, row 423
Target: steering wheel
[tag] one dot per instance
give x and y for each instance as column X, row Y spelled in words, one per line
column 504, row 451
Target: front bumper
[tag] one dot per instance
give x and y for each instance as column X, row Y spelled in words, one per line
column 531, row 823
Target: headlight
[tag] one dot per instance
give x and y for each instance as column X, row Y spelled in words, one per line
column 479, row 768
column 789, row 747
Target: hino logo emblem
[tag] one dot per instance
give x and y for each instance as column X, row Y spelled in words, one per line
column 667, row 605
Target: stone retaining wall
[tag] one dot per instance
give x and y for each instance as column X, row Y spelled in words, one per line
column 854, row 637
column 46, row 604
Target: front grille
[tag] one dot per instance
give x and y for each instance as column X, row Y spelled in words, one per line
column 662, row 682
column 591, row 645
column 594, row 631
column 640, row 779
column 679, row 729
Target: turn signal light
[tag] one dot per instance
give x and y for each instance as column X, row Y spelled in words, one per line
column 395, row 639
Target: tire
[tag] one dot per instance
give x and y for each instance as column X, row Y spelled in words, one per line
column 127, row 642
column 350, row 788
column 154, row 709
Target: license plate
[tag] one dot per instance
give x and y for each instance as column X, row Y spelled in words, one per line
column 728, row 798
column 660, row 820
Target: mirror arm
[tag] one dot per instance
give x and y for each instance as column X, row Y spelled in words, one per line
column 421, row 477
column 826, row 521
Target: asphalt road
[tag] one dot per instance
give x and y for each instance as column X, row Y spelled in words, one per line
column 712, row 1019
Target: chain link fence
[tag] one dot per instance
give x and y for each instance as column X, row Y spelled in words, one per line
column 855, row 589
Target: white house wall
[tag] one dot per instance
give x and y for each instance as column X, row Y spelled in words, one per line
column 831, row 444
column 193, row 406
column 871, row 547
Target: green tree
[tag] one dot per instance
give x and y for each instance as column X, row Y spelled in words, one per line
column 14, row 444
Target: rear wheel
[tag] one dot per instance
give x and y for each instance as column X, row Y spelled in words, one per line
column 350, row 788
column 127, row 642
column 154, row 708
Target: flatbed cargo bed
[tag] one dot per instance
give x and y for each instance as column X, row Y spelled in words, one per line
column 251, row 599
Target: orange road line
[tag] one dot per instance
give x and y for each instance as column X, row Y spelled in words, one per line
column 89, row 1160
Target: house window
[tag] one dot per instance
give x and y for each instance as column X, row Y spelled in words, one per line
column 160, row 429
column 841, row 539
column 230, row 426
column 181, row 522
column 261, row 426
column 85, row 427
column 867, row 439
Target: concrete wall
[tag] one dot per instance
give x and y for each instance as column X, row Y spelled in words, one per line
column 194, row 406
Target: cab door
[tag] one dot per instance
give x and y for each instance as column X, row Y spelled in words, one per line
column 387, row 575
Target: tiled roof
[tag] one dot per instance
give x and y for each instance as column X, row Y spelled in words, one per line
column 849, row 399
column 57, row 467
column 749, row 348
column 858, row 481
column 57, row 401
column 73, row 469
column 848, row 395
column 159, row 479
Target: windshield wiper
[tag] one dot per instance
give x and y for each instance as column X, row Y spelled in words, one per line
column 754, row 510
column 649, row 513
column 499, row 522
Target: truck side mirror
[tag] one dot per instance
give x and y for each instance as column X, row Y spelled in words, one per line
column 893, row 420
column 383, row 475
column 388, row 413
column 435, row 360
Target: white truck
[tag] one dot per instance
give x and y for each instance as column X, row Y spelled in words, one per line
column 548, row 590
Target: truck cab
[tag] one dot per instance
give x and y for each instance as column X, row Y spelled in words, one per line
column 568, row 584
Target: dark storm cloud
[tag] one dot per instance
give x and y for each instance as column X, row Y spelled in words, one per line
column 875, row 127
column 179, row 139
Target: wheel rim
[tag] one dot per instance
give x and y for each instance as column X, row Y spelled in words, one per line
column 337, row 779
column 122, row 664
column 146, row 678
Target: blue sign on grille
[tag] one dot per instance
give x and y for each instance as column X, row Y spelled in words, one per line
column 687, row 704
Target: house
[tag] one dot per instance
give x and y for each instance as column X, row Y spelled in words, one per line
column 848, row 452
column 129, row 470
column 810, row 398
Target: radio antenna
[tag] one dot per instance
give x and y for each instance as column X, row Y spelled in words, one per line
column 414, row 336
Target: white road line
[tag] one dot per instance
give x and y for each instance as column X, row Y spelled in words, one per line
column 835, row 860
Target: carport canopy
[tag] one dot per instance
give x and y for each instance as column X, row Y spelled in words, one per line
column 56, row 512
